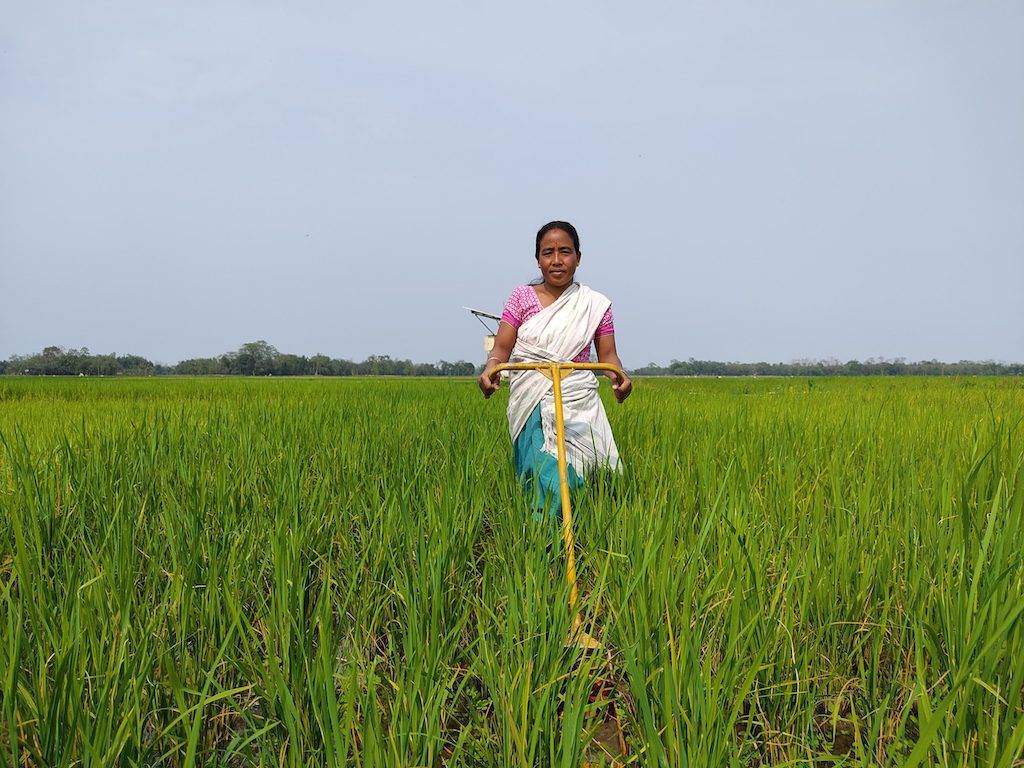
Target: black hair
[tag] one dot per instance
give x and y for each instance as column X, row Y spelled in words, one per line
column 566, row 227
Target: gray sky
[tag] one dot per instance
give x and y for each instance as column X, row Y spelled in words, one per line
column 750, row 180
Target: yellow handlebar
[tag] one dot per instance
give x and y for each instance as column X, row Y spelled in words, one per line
column 550, row 368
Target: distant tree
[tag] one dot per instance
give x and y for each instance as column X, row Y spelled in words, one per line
column 198, row 366
column 134, row 365
column 374, row 365
column 98, row 365
column 319, row 364
column 424, row 369
column 343, row 368
column 290, row 365
column 254, row 358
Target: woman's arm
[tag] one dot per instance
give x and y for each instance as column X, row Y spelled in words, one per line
column 606, row 353
column 504, row 341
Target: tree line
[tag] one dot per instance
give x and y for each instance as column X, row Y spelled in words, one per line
column 258, row 358
column 870, row 367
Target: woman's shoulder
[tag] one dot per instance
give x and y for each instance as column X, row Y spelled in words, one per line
column 519, row 305
column 522, row 295
column 595, row 295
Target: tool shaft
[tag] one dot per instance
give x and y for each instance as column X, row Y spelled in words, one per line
column 563, row 484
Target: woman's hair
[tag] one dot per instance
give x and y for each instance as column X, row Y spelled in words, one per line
column 565, row 226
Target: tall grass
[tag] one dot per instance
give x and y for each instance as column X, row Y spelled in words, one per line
column 305, row 572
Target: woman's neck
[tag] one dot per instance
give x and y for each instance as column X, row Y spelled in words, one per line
column 554, row 290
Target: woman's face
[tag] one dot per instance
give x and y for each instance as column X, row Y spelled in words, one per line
column 558, row 258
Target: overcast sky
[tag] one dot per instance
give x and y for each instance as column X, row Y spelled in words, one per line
column 751, row 181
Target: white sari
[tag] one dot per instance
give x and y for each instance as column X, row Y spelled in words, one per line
column 559, row 332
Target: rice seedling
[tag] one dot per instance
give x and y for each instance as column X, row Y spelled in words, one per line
column 247, row 572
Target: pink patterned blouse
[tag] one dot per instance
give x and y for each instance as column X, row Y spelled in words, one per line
column 524, row 304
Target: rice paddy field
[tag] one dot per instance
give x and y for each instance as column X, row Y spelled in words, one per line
column 344, row 572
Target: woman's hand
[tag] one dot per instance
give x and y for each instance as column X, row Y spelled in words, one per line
column 606, row 353
column 487, row 384
column 500, row 353
column 622, row 386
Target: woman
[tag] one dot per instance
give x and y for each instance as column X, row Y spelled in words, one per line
column 556, row 319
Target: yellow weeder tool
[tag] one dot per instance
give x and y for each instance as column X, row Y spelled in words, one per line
column 577, row 636
column 554, row 372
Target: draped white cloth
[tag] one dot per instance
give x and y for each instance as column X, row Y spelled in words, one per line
column 559, row 332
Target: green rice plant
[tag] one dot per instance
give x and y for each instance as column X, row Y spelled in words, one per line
column 244, row 572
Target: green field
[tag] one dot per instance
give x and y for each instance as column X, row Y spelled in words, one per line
column 343, row 572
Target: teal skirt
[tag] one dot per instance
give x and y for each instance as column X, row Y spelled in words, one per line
column 538, row 470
